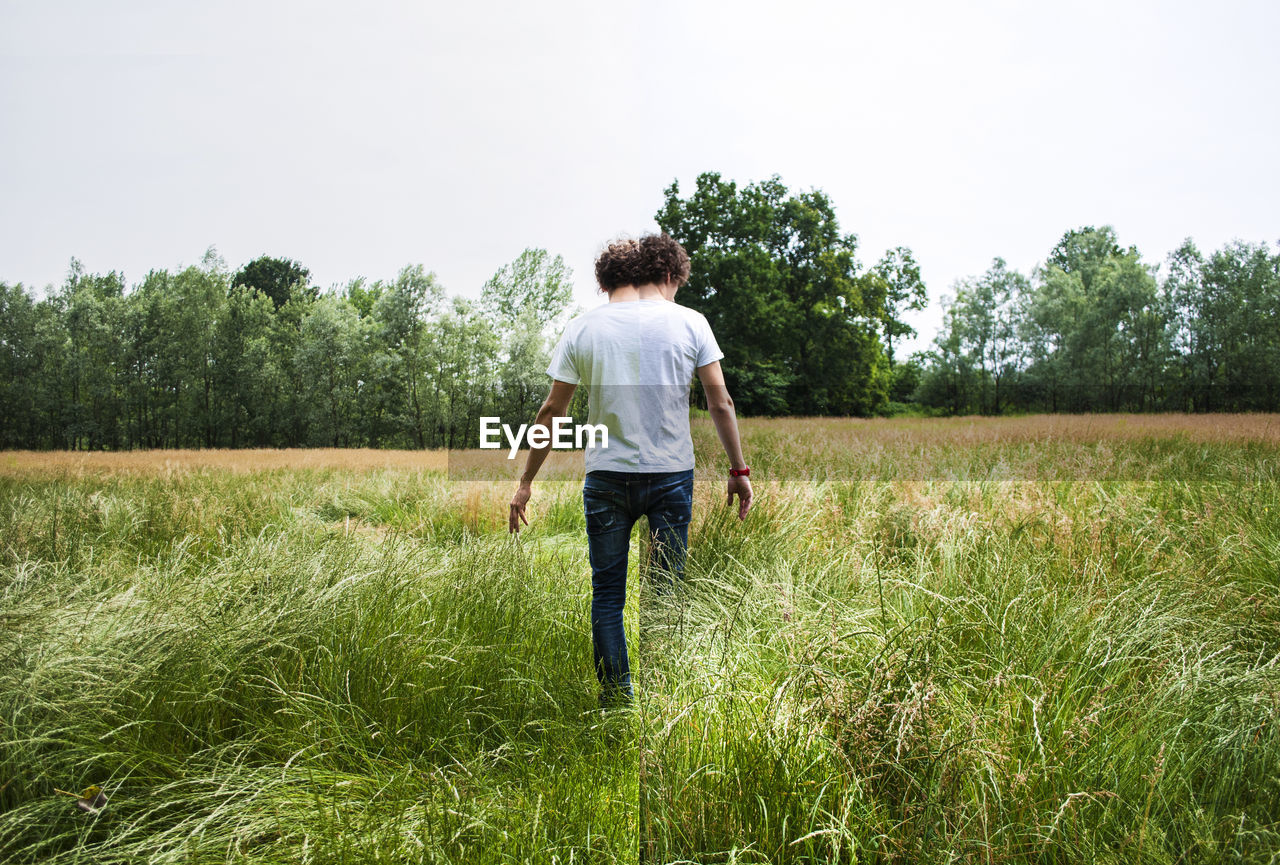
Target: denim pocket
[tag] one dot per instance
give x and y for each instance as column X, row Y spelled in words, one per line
column 677, row 512
column 600, row 508
column 676, row 505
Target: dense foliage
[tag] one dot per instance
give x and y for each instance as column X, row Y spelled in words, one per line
column 781, row 286
column 207, row 358
column 200, row 358
column 1094, row 328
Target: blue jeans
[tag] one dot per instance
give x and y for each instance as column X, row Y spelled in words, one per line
column 613, row 501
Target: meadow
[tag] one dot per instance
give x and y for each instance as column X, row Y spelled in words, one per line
column 1041, row 639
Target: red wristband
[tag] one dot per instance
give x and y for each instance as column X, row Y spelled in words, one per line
column 740, row 473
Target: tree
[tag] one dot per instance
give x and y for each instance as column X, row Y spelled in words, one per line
column 781, row 287
column 527, row 301
column 903, row 291
column 906, row 378
column 402, row 315
column 462, row 357
column 986, row 314
column 329, row 351
column 1093, row 311
column 21, row 355
column 533, row 286
column 1181, row 296
column 948, row 382
column 172, row 323
column 1237, row 305
column 92, row 306
column 1085, row 251
column 247, row 376
column 362, row 295
column 278, row 278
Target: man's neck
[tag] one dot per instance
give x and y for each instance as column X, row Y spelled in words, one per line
column 648, row 291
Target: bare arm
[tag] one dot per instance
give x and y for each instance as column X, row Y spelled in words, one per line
column 555, row 405
column 720, row 404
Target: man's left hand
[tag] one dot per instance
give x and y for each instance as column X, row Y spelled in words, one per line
column 518, row 502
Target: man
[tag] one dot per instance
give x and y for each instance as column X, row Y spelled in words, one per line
column 636, row 356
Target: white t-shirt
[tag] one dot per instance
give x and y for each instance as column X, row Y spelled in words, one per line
column 636, row 360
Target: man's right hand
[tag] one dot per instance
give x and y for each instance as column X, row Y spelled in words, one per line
column 741, row 487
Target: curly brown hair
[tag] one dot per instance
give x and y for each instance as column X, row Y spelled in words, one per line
column 653, row 259
column 664, row 260
column 619, row 264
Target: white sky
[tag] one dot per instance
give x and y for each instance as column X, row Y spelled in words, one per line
column 360, row 137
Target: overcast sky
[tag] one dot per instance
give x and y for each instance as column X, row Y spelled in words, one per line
column 360, row 137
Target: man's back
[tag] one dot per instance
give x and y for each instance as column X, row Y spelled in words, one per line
column 636, row 359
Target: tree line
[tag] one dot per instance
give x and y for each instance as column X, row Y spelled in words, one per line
column 806, row 330
column 206, row 357
column 259, row 358
column 1094, row 328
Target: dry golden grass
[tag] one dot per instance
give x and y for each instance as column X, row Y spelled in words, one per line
column 808, row 441
column 1209, row 428
column 168, row 462
column 493, row 465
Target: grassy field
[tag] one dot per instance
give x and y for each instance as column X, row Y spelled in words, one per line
column 1009, row 640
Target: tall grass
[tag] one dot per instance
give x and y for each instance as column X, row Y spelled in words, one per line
column 355, row 663
column 251, row 678
column 971, row 681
